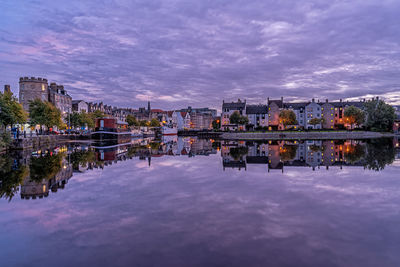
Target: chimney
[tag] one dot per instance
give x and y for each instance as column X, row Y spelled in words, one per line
column 7, row 88
column 313, row 100
column 318, row 100
column 340, row 100
column 267, row 100
column 326, row 100
column 282, row 99
column 377, row 98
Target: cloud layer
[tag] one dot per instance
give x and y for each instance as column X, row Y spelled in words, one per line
column 177, row 53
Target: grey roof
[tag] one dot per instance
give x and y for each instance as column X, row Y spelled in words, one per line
column 256, row 109
column 358, row 104
column 77, row 101
column 234, row 105
column 279, row 103
column 296, row 105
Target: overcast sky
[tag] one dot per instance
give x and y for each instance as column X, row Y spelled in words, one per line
column 177, row 53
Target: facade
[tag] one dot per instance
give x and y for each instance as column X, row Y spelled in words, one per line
column 59, row 98
column 80, row 106
column 257, row 115
column 274, row 109
column 328, row 115
column 313, row 110
column 200, row 121
column 227, row 110
column 32, row 88
column 299, row 110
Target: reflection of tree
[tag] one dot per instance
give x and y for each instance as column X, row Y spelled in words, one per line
column 155, row 145
column 354, row 153
column 82, row 158
column 45, row 167
column 380, row 152
column 315, row 148
column 288, row 152
column 238, row 152
column 10, row 178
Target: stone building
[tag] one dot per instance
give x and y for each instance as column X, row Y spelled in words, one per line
column 7, row 89
column 328, row 115
column 200, row 121
column 32, row 88
column 59, row 98
column 80, row 106
column 227, row 110
column 274, row 109
column 313, row 111
column 257, row 115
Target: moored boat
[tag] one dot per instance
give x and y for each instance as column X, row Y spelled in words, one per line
column 165, row 130
column 110, row 129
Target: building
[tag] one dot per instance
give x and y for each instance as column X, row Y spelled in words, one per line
column 274, row 109
column 59, row 98
column 313, row 111
column 227, row 110
column 299, row 110
column 200, row 121
column 328, row 115
column 7, row 89
column 257, row 115
column 31, row 89
column 80, row 106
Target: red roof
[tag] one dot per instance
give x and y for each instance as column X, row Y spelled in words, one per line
column 157, row 110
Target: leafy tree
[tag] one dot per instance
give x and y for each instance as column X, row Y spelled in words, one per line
column 354, row 115
column 380, row 152
column 354, row 153
column 11, row 112
column 238, row 152
column 287, row 117
column 154, row 123
column 92, row 118
column 216, row 124
column 44, row 113
column 380, row 116
column 87, row 120
column 288, row 152
column 131, row 120
column 75, row 119
column 315, row 121
column 144, row 123
column 236, row 118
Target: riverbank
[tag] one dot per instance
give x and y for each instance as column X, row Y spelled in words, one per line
column 315, row 135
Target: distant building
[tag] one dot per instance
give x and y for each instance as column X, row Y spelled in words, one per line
column 313, row 111
column 257, row 115
column 32, row 88
column 274, row 109
column 200, row 121
column 328, row 115
column 59, row 98
column 80, row 106
column 7, row 89
column 227, row 110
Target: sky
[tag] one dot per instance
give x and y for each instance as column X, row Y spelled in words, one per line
column 179, row 53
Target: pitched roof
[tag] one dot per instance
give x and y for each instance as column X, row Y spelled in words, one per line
column 256, row 109
column 234, row 105
column 295, row 105
column 279, row 103
column 358, row 104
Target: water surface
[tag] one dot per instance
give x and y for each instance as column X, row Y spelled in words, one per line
column 191, row 202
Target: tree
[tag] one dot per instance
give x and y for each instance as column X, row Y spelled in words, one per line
column 238, row 152
column 86, row 120
column 380, row 116
column 236, row 118
column 315, row 121
column 380, row 152
column 44, row 113
column 11, row 112
column 288, row 152
column 154, row 123
column 354, row 115
column 131, row 120
column 144, row 123
column 216, row 124
column 92, row 118
column 287, row 117
column 75, row 119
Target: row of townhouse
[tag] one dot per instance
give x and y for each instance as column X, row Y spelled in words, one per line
column 267, row 115
column 183, row 120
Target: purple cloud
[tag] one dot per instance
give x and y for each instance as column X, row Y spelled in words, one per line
column 179, row 53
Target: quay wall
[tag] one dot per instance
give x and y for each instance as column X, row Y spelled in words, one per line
column 302, row 135
column 42, row 141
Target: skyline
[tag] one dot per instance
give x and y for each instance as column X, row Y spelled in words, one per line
column 179, row 54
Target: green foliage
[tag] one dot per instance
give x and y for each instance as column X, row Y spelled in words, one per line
column 11, row 177
column 92, row 118
column 11, row 112
column 380, row 152
column 288, row 152
column 131, row 120
column 236, row 118
column 45, row 167
column 144, row 123
column 82, row 158
column 44, row 113
column 287, row 117
column 81, row 120
column 315, row 121
column 354, row 153
column 238, row 152
column 380, row 116
column 216, row 124
column 154, row 123
column 354, row 115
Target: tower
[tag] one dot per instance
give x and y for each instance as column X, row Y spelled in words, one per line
column 148, row 106
column 31, row 89
column 7, row 89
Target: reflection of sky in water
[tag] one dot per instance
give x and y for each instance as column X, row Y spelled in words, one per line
column 189, row 212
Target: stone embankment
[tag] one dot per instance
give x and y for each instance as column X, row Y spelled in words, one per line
column 303, row 135
column 41, row 141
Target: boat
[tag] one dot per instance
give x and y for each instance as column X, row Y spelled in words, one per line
column 111, row 130
column 165, row 130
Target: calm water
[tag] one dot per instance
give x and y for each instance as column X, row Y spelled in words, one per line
column 192, row 202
